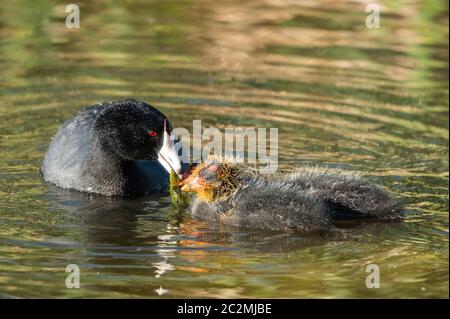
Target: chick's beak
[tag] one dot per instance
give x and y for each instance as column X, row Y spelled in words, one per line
column 186, row 188
column 192, row 184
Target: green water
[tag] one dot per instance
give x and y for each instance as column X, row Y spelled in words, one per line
column 373, row 101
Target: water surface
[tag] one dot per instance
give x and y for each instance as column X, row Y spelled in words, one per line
column 373, row 101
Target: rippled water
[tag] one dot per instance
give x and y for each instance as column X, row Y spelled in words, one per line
column 373, row 101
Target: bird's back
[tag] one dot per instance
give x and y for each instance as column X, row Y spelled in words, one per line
column 69, row 151
column 347, row 195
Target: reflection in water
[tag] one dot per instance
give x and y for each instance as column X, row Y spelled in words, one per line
column 374, row 101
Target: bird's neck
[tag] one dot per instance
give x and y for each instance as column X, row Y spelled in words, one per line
column 104, row 169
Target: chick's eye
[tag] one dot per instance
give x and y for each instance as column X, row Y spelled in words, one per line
column 152, row 133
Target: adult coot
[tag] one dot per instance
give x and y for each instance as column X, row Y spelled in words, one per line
column 113, row 148
column 309, row 199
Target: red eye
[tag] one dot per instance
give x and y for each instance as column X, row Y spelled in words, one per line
column 152, row 133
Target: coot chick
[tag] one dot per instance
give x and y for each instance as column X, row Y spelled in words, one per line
column 309, row 199
column 111, row 149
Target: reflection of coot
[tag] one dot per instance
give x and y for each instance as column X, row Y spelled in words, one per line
column 108, row 149
column 121, row 221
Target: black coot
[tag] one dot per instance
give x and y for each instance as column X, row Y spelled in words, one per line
column 113, row 148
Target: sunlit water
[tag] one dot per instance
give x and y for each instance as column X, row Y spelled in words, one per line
column 373, row 101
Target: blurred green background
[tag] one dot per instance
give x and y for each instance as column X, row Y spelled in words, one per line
column 368, row 100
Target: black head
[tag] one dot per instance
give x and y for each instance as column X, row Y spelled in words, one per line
column 131, row 129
